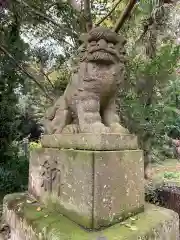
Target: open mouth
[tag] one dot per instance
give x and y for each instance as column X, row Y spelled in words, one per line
column 102, row 50
column 101, row 56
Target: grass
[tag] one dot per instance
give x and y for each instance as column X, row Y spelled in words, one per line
column 171, row 175
column 164, row 173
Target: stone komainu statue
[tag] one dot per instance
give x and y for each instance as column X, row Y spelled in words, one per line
column 88, row 103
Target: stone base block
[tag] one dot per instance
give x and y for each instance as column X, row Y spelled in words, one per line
column 89, row 141
column 92, row 188
column 30, row 221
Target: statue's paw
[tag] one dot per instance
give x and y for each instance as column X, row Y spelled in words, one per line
column 95, row 128
column 100, row 128
column 48, row 128
column 71, row 128
column 117, row 128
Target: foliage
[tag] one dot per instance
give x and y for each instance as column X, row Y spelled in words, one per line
column 151, row 193
column 13, row 168
column 61, row 81
column 14, row 174
column 10, row 80
column 34, row 145
column 151, row 80
column 171, row 175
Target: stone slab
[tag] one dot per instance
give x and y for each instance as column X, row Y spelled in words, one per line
column 92, row 188
column 27, row 222
column 118, row 186
column 89, row 141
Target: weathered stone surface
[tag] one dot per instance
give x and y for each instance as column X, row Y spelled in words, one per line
column 93, row 188
column 88, row 103
column 63, row 180
column 89, row 141
column 118, row 185
column 27, row 223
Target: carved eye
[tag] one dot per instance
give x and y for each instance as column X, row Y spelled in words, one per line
column 123, row 52
column 83, row 49
column 110, row 45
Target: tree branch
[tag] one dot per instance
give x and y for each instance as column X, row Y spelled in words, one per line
column 109, row 13
column 87, row 15
column 40, row 75
column 23, row 70
column 125, row 14
column 146, row 27
column 58, row 37
column 48, row 79
column 45, row 75
column 45, row 17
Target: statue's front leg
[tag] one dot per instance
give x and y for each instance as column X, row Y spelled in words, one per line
column 61, row 120
column 47, row 121
column 111, row 119
column 57, row 117
column 88, row 112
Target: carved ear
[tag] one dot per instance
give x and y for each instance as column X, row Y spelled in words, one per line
column 83, row 37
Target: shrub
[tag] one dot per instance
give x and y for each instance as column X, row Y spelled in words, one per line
column 34, row 145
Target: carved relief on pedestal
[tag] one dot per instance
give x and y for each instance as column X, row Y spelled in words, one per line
column 51, row 177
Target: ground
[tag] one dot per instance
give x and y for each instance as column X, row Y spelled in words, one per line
column 170, row 165
column 166, row 170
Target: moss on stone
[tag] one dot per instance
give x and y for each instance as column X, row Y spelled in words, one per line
column 43, row 222
column 154, row 223
column 83, row 220
column 117, row 218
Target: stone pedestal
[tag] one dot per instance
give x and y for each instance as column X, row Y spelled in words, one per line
column 94, row 189
column 96, row 182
